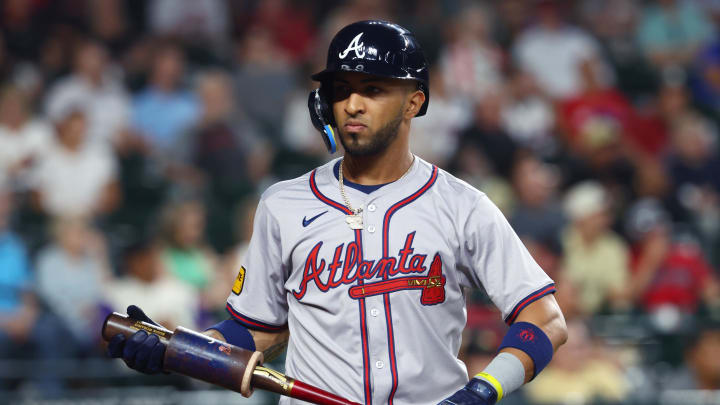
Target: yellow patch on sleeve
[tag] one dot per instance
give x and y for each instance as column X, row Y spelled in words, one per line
column 239, row 282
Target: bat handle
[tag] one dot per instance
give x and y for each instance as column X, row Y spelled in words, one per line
column 271, row 380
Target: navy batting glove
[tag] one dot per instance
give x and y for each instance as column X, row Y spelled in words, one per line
column 475, row 392
column 142, row 351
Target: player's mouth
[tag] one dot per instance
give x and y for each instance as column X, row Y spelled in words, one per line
column 354, row 126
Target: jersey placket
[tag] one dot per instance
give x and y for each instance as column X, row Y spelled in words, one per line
column 376, row 320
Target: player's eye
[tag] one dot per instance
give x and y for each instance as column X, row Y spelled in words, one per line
column 373, row 90
column 341, row 91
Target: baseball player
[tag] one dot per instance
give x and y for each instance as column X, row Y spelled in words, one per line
column 360, row 267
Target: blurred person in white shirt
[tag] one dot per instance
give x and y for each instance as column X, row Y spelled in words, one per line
column 97, row 85
column 75, row 177
column 146, row 284
column 23, row 137
column 528, row 116
column 553, row 52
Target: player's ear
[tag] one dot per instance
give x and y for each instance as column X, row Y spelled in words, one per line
column 414, row 102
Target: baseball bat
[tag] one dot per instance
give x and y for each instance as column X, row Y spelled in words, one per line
column 200, row 356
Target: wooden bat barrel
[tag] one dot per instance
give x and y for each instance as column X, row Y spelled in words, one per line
column 199, row 356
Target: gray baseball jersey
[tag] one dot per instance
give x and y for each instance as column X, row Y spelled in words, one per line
column 376, row 314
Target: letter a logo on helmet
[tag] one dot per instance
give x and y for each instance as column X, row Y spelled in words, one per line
column 355, row 45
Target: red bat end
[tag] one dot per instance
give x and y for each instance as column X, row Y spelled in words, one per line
column 306, row 392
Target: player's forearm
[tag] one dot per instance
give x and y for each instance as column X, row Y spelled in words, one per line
column 545, row 314
column 270, row 344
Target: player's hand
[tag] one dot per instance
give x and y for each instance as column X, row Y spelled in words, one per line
column 142, row 351
column 475, row 392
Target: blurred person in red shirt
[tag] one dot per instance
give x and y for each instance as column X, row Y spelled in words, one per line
column 667, row 273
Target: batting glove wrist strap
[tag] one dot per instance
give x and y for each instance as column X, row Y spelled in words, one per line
column 533, row 341
column 475, row 392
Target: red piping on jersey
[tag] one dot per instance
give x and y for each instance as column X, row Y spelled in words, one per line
column 361, row 302
column 532, row 297
column 252, row 323
column 320, row 196
column 363, row 326
column 386, row 296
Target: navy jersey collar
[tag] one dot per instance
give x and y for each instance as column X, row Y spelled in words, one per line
column 360, row 187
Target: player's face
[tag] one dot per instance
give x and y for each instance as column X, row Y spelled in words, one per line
column 368, row 111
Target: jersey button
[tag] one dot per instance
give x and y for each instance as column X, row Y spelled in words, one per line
column 379, row 364
column 374, row 312
column 371, row 207
column 371, row 228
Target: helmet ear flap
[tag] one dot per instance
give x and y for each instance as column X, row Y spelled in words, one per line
column 322, row 117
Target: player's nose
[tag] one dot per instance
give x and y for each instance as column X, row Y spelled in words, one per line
column 355, row 104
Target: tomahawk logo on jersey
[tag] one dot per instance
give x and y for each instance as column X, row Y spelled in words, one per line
column 355, row 299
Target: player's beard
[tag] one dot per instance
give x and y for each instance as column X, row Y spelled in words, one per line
column 379, row 141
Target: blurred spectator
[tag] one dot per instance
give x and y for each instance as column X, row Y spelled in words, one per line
column 224, row 144
column 537, row 213
column 592, row 105
column 95, row 86
column 224, row 149
column 512, row 17
column 165, row 299
column 596, row 259
column 290, row 24
column 471, row 164
column 702, row 361
column 184, row 251
column 528, row 117
column 21, row 27
column 614, row 23
column 705, row 83
column 18, row 308
column 435, row 136
column 553, row 52
column 23, row 138
column 71, row 273
column 264, row 80
column 165, row 108
column 671, row 32
column 470, row 62
column 108, row 20
column 693, row 166
column 74, row 176
column 654, row 119
column 667, row 271
column 580, row 373
column 194, row 21
column 488, row 133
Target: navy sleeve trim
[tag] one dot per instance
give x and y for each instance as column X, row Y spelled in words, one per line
column 253, row 323
column 532, row 297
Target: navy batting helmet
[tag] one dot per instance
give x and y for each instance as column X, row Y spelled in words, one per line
column 374, row 47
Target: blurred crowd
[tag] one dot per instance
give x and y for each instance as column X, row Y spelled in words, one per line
column 136, row 136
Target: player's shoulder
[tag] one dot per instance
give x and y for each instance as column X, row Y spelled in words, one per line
column 291, row 190
column 455, row 189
